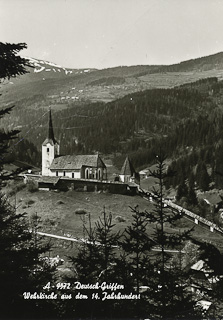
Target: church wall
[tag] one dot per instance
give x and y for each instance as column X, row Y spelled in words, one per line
column 48, row 154
column 65, row 183
column 73, row 174
column 69, row 174
column 96, row 186
column 83, row 173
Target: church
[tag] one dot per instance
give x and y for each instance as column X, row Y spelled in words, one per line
column 70, row 166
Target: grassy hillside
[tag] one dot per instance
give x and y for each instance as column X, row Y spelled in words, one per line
column 58, row 215
column 55, row 85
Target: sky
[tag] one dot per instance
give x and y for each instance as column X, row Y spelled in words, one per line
column 108, row 33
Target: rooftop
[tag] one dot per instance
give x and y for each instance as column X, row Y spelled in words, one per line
column 72, row 162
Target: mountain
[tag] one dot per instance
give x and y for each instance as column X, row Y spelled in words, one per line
column 49, row 70
column 211, row 62
column 55, row 85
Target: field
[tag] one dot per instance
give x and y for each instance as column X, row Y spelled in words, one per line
column 58, row 210
column 77, row 89
column 59, row 214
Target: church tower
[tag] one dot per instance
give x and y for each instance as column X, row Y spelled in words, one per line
column 50, row 149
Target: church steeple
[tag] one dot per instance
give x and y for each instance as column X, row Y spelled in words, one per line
column 50, row 149
column 50, row 132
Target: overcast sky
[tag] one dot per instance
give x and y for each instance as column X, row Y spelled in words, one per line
column 107, row 33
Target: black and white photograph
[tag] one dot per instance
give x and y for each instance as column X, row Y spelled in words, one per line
column 111, row 159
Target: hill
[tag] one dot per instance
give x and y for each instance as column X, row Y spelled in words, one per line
column 211, row 62
column 54, row 84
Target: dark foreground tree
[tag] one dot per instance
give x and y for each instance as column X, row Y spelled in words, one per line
column 21, row 268
column 134, row 267
column 11, row 65
column 94, row 263
column 169, row 294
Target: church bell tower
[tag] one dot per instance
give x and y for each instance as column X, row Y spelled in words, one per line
column 50, row 149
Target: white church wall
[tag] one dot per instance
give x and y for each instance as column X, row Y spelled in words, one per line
column 48, row 154
column 68, row 174
column 74, row 175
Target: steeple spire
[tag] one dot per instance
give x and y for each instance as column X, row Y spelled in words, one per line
column 50, row 132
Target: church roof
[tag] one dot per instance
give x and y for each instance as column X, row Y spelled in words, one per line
column 73, row 162
column 50, row 131
column 50, row 138
column 47, row 140
column 127, row 168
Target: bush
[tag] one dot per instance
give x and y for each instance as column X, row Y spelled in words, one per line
column 32, row 186
column 80, row 211
column 120, row 219
column 29, row 202
column 14, row 188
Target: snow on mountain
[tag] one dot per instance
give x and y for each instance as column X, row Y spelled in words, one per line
column 43, row 65
column 53, row 68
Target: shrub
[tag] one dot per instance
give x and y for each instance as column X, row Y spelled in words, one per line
column 120, row 219
column 29, row 202
column 32, row 186
column 80, row 211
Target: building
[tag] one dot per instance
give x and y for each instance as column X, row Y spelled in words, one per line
column 71, row 166
column 128, row 173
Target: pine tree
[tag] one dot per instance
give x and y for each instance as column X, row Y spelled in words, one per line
column 94, row 263
column 12, row 65
column 202, row 177
column 168, row 283
column 192, row 197
column 133, row 267
column 182, row 191
column 108, row 240
column 21, row 268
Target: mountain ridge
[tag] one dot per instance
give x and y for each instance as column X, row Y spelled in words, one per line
column 58, row 85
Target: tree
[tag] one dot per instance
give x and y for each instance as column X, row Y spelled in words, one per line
column 133, row 266
column 192, row 197
column 21, row 268
column 182, row 191
column 168, row 284
column 202, row 176
column 94, row 263
column 11, row 65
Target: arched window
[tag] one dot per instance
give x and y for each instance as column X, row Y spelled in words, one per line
column 87, row 174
